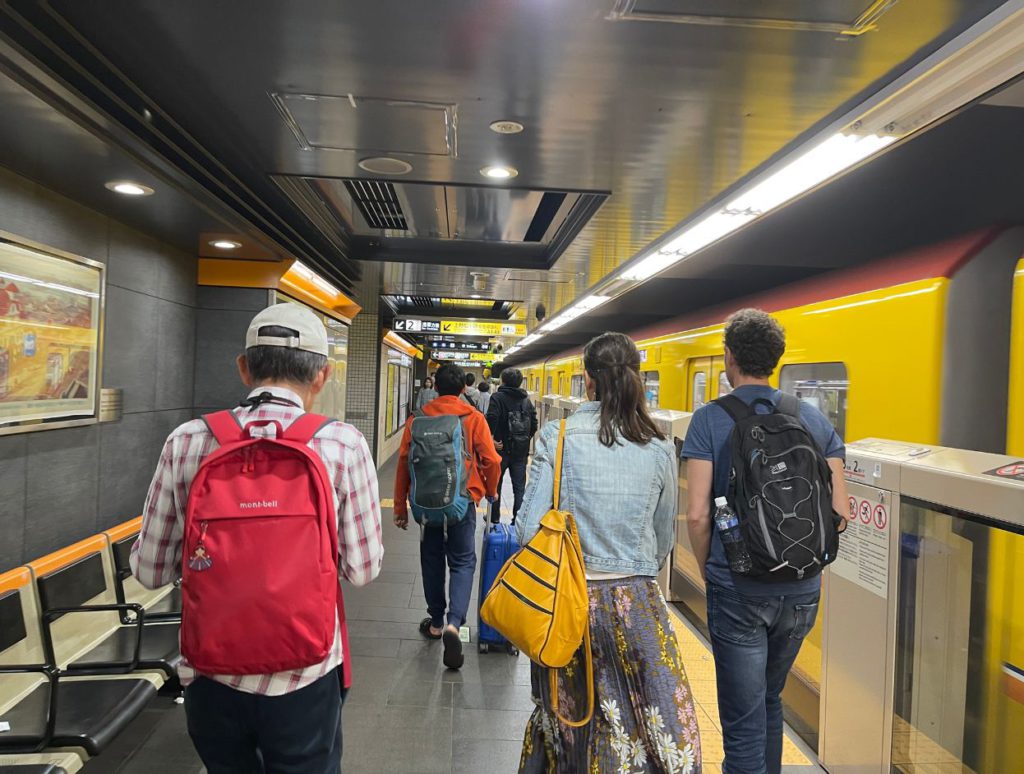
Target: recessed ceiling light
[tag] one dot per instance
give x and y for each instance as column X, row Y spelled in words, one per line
column 506, row 127
column 225, row 244
column 499, row 172
column 385, row 165
column 129, row 188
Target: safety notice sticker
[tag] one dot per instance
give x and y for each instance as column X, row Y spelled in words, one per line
column 1014, row 470
column 864, row 546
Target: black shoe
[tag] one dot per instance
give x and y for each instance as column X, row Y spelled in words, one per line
column 425, row 630
column 453, row 658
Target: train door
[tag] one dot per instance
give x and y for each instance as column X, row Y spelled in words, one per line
column 719, row 382
column 698, row 371
column 579, row 389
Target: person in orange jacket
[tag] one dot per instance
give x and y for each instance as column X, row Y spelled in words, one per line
column 456, row 542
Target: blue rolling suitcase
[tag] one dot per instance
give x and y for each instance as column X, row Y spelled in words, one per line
column 500, row 543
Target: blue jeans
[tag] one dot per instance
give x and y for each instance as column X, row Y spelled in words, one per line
column 295, row 733
column 755, row 641
column 459, row 549
column 516, row 469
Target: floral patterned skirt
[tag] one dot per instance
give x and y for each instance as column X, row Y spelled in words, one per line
column 644, row 718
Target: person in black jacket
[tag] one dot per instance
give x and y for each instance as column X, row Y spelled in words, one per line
column 513, row 422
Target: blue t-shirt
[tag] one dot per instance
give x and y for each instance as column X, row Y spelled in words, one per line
column 708, row 439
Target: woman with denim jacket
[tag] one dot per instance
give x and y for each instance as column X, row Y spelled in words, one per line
column 619, row 481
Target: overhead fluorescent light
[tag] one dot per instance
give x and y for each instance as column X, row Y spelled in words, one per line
column 580, row 307
column 811, row 168
column 311, row 276
column 820, row 163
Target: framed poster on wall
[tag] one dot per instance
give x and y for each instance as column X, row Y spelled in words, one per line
column 51, row 312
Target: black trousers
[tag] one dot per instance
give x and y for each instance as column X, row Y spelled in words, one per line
column 245, row 733
column 517, row 469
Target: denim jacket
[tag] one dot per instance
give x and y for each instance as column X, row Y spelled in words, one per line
column 623, row 498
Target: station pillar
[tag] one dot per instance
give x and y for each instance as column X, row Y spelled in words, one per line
column 362, row 394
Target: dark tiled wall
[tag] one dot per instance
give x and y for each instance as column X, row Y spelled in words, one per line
column 58, row 486
column 222, row 317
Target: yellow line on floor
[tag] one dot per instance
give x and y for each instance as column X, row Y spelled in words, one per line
column 700, row 670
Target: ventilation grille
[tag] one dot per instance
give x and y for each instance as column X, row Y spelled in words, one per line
column 378, row 202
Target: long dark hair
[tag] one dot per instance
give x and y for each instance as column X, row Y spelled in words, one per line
column 613, row 362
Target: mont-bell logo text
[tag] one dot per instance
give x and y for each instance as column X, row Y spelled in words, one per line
column 248, row 505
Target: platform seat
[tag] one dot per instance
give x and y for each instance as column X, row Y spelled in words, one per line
column 160, row 649
column 85, row 621
column 44, row 706
column 91, row 712
column 53, row 762
column 161, row 604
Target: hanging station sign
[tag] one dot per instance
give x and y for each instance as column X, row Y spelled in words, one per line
column 468, row 357
column 462, row 346
column 482, row 328
column 412, row 325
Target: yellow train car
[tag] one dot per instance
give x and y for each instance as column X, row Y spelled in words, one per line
column 917, row 348
column 1004, row 635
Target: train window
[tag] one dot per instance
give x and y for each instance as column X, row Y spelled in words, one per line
column 700, row 389
column 578, row 389
column 652, row 387
column 823, row 385
column 549, row 386
column 724, row 388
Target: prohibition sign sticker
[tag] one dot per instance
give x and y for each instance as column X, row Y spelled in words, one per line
column 853, row 505
column 880, row 516
column 865, row 512
column 1013, row 470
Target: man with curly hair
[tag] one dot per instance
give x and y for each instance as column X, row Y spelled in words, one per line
column 756, row 626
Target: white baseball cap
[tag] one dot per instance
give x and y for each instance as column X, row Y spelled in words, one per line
column 311, row 335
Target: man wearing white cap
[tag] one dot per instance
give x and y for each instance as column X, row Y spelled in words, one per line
column 280, row 719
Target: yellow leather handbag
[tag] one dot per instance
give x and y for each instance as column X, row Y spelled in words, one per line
column 539, row 599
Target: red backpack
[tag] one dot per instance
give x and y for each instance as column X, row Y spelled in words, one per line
column 260, row 560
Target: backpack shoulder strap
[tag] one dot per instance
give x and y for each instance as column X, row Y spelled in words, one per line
column 788, row 405
column 734, row 407
column 305, row 427
column 225, row 427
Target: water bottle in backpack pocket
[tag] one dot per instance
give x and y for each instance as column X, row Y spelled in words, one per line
column 438, row 469
column 729, row 532
column 780, row 486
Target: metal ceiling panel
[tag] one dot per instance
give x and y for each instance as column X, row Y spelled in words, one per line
column 369, row 124
column 492, row 214
column 839, row 17
column 665, row 116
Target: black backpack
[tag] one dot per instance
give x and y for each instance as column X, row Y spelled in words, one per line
column 780, row 486
column 517, row 440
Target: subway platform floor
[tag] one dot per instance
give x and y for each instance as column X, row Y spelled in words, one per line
column 406, row 714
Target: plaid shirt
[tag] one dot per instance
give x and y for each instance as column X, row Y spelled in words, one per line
column 156, row 555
